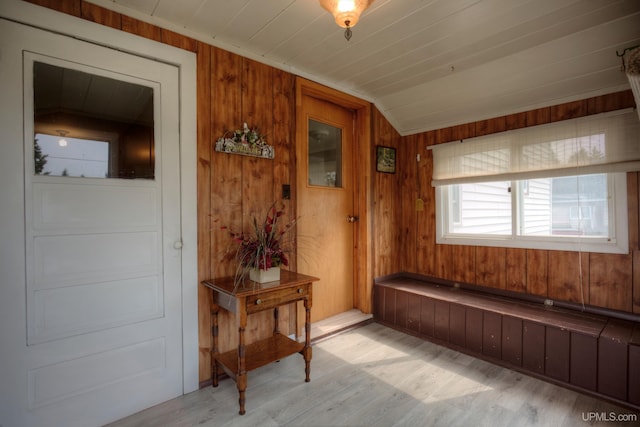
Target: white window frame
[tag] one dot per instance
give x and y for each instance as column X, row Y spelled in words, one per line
column 617, row 242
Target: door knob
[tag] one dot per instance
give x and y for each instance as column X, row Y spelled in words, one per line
column 352, row 218
column 177, row 244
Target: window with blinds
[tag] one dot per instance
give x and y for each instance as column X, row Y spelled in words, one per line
column 558, row 186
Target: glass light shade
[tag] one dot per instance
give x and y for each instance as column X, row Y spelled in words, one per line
column 346, row 10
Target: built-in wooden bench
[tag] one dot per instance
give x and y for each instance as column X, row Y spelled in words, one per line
column 592, row 353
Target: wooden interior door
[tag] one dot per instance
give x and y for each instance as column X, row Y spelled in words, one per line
column 325, row 203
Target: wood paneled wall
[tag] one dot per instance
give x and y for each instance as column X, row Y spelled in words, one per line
column 603, row 280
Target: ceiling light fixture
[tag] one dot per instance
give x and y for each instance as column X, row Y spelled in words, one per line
column 631, row 66
column 346, row 12
column 62, row 142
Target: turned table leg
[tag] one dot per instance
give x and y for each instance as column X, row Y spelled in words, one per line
column 241, row 378
column 306, row 351
column 214, row 345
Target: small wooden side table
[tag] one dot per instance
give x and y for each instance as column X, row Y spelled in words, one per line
column 251, row 297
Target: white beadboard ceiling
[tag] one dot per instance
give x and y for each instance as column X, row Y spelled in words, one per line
column 426, row 64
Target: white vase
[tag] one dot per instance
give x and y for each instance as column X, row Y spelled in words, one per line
column 263, row 276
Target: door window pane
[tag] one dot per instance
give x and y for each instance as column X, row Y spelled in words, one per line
column 325, row 155
column 86, row 125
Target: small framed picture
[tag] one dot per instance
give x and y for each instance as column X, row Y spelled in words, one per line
column 385, row 159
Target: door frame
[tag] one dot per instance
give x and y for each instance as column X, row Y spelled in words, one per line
column 363, row 154
column 50, row 20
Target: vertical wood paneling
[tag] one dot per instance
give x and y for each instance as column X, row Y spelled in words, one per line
column 71, row 7
column 407, row 213
column 226, row 176
column 516, row 275
column 387, row 201
column 616, row 101
column 178, row 40
column 515, row 121
column 464, row 263
column 283, row 141
column 537, row 272
column 257, row 173
column 426, row 219
column 100, row 15
column 569, row 276
column 491, row 266
column 537, row 117
column 611, row 281
column 205, row 260
column 226, row 179
column 444, row 259
column 462, row 132
column 636, row 281
column 141, row 28
column 485, row 127
column 568, row 110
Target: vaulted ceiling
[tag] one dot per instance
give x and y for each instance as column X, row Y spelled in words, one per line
column 426, row 64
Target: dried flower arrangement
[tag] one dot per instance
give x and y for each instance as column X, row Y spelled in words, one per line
column 264, row 247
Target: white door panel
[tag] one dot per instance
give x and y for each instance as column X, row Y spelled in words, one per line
column 71, row 259
column 92, row 287
column 106, row 206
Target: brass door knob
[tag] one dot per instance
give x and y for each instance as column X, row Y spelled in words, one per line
column 352, row 218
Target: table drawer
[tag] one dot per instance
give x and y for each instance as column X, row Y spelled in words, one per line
column 275, row 298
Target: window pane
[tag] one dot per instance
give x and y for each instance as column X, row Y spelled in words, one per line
column 481, row 208
column 567, row 206
column 536, row 206
column 86, row 125
column 325, row 155
column 58, row 156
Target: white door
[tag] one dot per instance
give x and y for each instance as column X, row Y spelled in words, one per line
column 90, row 265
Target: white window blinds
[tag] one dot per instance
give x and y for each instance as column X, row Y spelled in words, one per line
column 601, row 143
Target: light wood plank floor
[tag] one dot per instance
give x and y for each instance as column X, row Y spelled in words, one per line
column 376, row 376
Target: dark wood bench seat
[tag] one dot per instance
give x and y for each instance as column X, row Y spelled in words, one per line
column 564, row 319
column 593, row 353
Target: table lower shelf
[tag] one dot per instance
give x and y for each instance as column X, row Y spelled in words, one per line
column 260, row 353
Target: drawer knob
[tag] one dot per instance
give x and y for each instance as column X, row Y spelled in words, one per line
column 258, row 301
column 300, row 290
